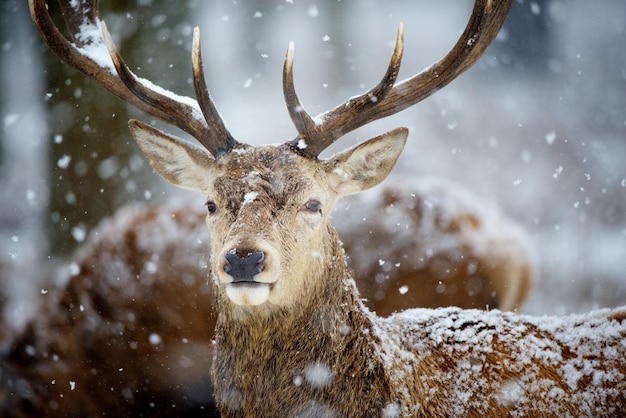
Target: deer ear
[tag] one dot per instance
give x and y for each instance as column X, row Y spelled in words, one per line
column 367, row 164
column 177, row 161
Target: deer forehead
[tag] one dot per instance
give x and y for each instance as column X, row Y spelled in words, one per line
column 271, row 175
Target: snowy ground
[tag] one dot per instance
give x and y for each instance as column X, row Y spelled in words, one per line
column 540, row 131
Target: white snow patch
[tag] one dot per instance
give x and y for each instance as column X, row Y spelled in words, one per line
column 10, row 119
column 79, row 232
column 535, row 8
column 64, row 161
column 391, row 410
column 155, row 339
column 94, row 48
column 73, row 269
column 318, row 374
column 249, row 198
column 239, row 151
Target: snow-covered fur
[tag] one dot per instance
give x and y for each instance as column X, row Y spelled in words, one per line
column 452, row 362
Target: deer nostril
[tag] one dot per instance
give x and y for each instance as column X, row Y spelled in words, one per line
column 244, row 268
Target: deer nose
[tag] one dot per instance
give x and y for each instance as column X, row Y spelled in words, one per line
column 243, row 267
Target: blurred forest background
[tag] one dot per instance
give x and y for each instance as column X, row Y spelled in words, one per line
column 537, row 126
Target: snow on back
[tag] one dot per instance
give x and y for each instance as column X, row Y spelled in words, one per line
column 440, row 204
column 460, row 353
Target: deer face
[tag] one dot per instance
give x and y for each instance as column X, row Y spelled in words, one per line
column 267, row 210
column 268, row 207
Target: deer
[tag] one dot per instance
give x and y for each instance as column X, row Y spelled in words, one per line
column 292, row 335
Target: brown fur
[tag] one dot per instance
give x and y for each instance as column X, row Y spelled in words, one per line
column 418, row 363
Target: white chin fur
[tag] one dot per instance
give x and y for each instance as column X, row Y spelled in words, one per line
column 248, row 295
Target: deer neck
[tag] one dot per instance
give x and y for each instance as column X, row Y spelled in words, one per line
column 297, row 356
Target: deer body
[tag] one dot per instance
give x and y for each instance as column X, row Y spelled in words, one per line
column 313, row 349
column 444, row 362
column 452, row 362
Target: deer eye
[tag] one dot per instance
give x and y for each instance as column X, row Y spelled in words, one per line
column 313, row 205
column 211, row 206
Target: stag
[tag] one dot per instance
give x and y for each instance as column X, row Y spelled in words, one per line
column 292, row 335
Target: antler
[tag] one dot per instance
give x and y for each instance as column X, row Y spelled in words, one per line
column 202, row 120
column 89, row 34
column 386, row 99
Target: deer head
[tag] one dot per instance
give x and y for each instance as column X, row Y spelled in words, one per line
column 268, row 207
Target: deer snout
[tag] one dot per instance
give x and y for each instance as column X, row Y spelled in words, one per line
column 243, row 267
column 248, row 274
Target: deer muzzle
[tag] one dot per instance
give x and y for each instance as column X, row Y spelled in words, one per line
column 248, row 275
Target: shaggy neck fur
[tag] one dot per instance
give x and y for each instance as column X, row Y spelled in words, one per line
column 301, row 361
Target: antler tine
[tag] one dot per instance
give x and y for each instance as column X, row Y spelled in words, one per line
column 301, row 119
column 316, row 137
column 482, row 28
column 183, row 112
column 223, row 141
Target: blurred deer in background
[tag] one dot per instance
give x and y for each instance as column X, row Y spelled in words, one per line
column 91, row 303
column 430, row 243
